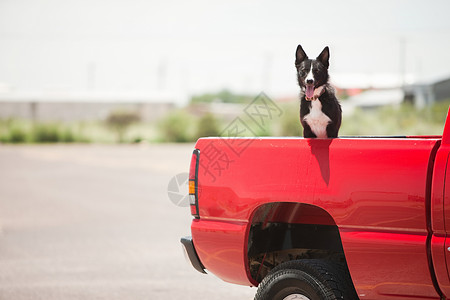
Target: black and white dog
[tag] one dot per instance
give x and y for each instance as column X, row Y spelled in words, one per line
column 320, row 111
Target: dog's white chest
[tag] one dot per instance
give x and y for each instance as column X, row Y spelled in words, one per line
column 317, row 120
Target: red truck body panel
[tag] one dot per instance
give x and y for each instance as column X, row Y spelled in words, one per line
column 439, row 210
column 386, row 196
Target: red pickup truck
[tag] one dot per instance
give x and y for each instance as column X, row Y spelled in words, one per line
column 344, row 218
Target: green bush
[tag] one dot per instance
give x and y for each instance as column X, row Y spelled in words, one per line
column 67, row 136
column 13, row 131
column 17, row 135
column 290, row 121
column 267, row 130
column 46, row 133
column 208, row 125
column 176, row 127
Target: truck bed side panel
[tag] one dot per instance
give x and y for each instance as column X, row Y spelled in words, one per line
column 375, row 190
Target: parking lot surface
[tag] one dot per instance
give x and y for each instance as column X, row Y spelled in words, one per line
column 96, row 222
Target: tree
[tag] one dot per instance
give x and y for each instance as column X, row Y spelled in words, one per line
column 120, row 120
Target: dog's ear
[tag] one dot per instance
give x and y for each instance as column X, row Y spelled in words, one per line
column 324, row 57
column 300, row 55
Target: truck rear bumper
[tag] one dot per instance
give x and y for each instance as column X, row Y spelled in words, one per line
column 191, row 254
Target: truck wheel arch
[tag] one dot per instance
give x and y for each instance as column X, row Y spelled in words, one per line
column 285, row 231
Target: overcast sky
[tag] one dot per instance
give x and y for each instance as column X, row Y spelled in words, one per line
column 195, row 46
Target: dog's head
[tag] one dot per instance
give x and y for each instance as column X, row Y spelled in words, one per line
column 311, row 73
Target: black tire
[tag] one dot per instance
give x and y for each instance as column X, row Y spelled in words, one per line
column 310, row 278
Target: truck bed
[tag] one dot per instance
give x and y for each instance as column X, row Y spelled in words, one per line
column 375, row 190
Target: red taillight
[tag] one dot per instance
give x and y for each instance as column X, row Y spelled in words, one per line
column 193, row 183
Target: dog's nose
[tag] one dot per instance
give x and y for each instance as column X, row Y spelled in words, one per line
column 310, row 81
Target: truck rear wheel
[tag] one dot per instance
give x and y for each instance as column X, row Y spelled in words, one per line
column 307, row 280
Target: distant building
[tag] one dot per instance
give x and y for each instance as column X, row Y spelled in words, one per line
column 82, row 106
column 425, row 94
column 372, row 99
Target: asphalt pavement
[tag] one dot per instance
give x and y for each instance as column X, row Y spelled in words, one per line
column 95, row 222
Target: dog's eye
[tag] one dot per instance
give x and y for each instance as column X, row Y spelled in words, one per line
column 317, row 70
column 302, row 73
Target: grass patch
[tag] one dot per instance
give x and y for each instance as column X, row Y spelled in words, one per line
column 180, row 126
column 402, row 120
